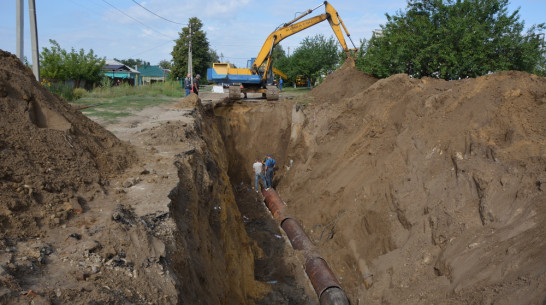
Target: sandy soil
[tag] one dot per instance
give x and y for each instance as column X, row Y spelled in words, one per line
column 125, row 215
column 426, row 191
column 415, row 191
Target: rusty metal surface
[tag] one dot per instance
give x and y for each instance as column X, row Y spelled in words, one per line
column 322, row 278
column 320, row 275
column 333, row 296
column 275, row 204
column 296, row 235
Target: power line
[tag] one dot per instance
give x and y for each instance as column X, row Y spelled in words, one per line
column 158, row 15
column 150, row 49
column 135, row 19
column 85, row 7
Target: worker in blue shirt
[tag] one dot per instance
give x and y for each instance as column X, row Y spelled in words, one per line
column 270, row 165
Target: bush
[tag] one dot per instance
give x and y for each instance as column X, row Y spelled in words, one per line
column 63, row 90
column 78, row 93
column 105, row 82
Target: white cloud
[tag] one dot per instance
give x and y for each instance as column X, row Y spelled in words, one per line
column 224, row 9
column 146, row 33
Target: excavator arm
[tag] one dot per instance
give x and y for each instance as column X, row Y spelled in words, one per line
column 292, row 27
column 254, row 79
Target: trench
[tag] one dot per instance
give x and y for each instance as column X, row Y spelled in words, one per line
column 228, row 248
column 249, row 132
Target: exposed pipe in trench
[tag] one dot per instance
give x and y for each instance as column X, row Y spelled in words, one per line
column 322, row 278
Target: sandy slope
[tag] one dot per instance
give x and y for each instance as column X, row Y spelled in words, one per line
column 426, row 191
column 416, row 191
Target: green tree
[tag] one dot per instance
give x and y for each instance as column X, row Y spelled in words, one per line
column 59, row 64
column 452, row 39
column 52, row 62
column 132, row 62
column 165, row 64
column 278, row 53
column 314, row 56
column 213, row 57
column 202, row 56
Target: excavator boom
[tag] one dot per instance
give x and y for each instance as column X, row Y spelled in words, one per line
column 255, row 77
column 290, row 28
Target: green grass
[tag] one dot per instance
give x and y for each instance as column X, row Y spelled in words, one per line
column 119, row 101
column 299, row 94
column 169, row 88
column 296, row 91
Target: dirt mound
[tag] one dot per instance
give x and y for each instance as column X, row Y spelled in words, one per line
column 342, row 83
column 48, row 152
column 424, row 190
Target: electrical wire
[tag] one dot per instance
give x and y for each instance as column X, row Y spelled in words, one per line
column 151, row 49
column 85, row 7
column 135, row 19
column 158, row 15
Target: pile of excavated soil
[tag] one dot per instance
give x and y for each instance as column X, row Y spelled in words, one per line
column 425, row 191
column 48, row 152
column 343, row 82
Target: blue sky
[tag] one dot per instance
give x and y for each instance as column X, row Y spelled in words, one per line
column 235, row 28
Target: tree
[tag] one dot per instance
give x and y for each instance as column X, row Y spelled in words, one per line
column 59, row 64
column 201, row 54
column 52, row 62
column 451, row 39
column 213, row 57
column 278, row 53
column 131, row 62
column 165, row 64
column 314, row 56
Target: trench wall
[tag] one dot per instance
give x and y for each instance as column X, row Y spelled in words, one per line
column 251, row 131
column 213, row 256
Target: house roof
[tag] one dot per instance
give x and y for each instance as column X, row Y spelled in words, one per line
column 153, row 71
column 116, row 66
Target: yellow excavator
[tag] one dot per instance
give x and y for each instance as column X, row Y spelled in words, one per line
column 258, row 76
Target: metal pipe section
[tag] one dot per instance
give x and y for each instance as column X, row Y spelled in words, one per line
column 309, row 11
column 296, row 235
column 298, row 18
column 320, row 275
column 275, row 205
column 322, row 278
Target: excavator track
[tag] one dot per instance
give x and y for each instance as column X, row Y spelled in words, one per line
column 234, row 92
column 272, row 93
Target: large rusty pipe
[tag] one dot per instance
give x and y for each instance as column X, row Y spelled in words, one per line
column 296, row 234
column 322, row 278
column 274, row 203
column 333, row 296
column 320, row 275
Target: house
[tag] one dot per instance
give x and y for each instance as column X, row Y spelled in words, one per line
column 120, row 73
column 152, row 74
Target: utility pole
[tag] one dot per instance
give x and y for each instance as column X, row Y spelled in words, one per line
column 288, row 52
column 34, row 39
column 20, row 29
column 190, row 64
column 136, row 76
